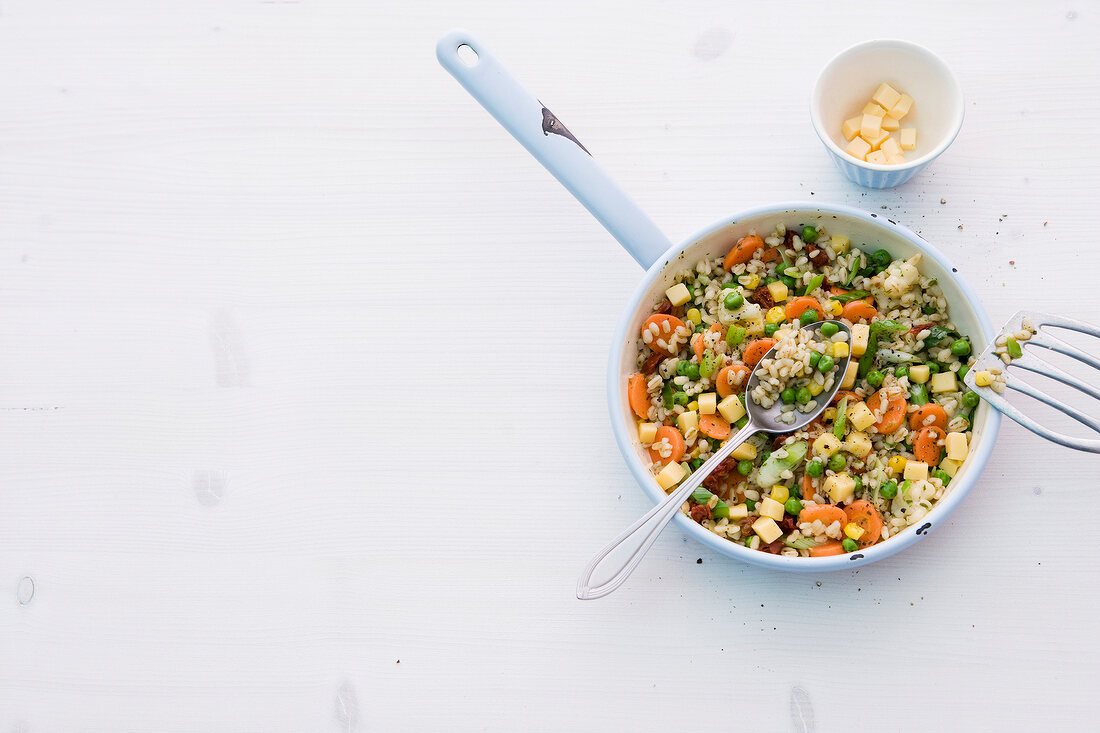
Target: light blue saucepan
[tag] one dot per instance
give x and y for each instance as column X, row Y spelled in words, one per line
column 533, row 125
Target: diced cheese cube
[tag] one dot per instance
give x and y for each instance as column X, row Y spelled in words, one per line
column 902, row 107
column 858, row 444
column 744, row 452
column 688, row 422
column 915, row 471
column 890, row 147
column 754, row 326
column 874, row 109
column 840, row 349
column 767, row 529
column 957, row 449
column 858, row 148
column 647, row 432
column 983, row 378
column 886, row 95
column 890, row 124
column 908, row 138
column 708, row 403
column 780, row 493
column 731, row 408
column 851, row 127
column 840, row 487
column 826, row 445
column 850, row 375
column 678, row 294
column 877, row 157
column 671, row 475
column 860, row 333
column 944, row 382
column 738, row 511
column 919, row 374
column 839, row 243
column 950, row 466
column 860, row 416
column 877, row 140
column 779, row 291
column 769, row 507
column 870, row 127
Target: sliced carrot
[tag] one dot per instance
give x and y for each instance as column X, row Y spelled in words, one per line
column 800, row 305
column 916, row 420
column 743, row 251
column 862, row 513
column 827, row 549
column 926, row 446
column 660, row 320
column 638, row 395
column 738, row 372
column 807, row 487
column 755, row 351
column 714, row 426
column 698, row 346
column 894, row 417
column 842, row 393
column 675, row 439
column 836, row 290
column 827, row 513
column 858, row 310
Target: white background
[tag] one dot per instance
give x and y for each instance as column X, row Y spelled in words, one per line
column 302, row 360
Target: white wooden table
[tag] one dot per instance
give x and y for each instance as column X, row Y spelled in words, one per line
column 291, row 441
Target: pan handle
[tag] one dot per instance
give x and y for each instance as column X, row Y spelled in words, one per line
column 538, row 130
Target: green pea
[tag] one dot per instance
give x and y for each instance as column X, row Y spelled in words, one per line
column 692, row 371
column 875, row 378
column 829, row 329
column 815, row 468
column 901, row 371
column 744, row 467
column 836, row 462
column 849, row 545
column 770, row 329
column 682, row 367
column 734, row 301
column 789, row 282
column 971, row 399
column 1013, row 347
column 881, row 258
column 888, row 490
column 815, row 357
column 809, row 316
column 803, row 395
column 961, row 348
column 735, row 335
column 963, row 371
column 793, row 506
column 727, row 286
column 942, row 476
column 750, row 504
column 859, row 484
column 809, row 234
column 695, row 463
column 825, row 363
column 933, row 367
column 787, row 396
column 680, row 398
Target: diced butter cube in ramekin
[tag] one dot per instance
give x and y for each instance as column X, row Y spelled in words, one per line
column 902, row 108
column 919, row 374
column 779, row 291
column 840, row 487
column 731, row 408
column 850, row 375
column 767, row 529
column 840, row 349
column 873, row 109
column 647, row 432
column 671, row 475
column 678, row 294
column 944, row 382
column 870, row 127
column 769, row 507
column 957, row 449
column 826, row 445
column 859, row 442
column 950, row 466
column 851, row 127
column 915, row 471
column 886, row 95
column 890, row 147
column 860, row 416
column 744, row 452
column 688, row 422
column 890, row 124
column 858, row 148
column 738, row 511
column 877, row 157
column 839, row 243
column 708, row 403
column 860, row 333
column 908, row 138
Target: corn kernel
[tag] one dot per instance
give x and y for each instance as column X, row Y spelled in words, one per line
column 854, row 531
column 983, row 378
column 779, row 291
column 835, row 307
column 775, row 315
column 750, row 281
column 693, row 405
column 897, row 464
column 816, row 389
column 840, row 349
column 694, row 316
column 780, row 493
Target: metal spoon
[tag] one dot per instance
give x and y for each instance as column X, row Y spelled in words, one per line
column 614, row 564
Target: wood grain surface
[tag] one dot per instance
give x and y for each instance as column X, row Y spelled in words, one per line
column 302, row 412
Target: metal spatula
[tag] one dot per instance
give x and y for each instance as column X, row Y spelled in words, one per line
column 1017, row 347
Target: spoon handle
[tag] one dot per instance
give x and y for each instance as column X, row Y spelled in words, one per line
column 617, row 561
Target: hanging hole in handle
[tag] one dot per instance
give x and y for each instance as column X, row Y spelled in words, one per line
column 467, row 55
